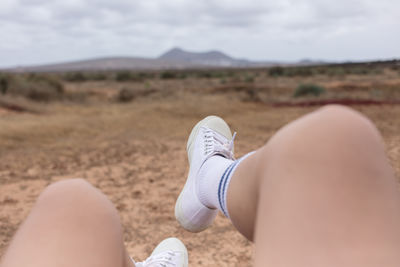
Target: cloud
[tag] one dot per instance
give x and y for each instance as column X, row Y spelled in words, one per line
column 39, row 31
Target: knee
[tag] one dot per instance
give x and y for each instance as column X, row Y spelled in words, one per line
column 328, row 130
column 331, row 123
column 76, row 202
column 65, row 188
column 76, row 193
column 343, row 123
column 343, row 114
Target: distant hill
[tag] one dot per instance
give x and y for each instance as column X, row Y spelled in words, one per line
column 175, row 58
column 103, row 64
column 210, row 58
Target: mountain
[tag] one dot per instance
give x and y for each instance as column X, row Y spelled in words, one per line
column 210, row 58
column 175, row 58
column 306, row 62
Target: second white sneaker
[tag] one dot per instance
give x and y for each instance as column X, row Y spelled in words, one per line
column 171, row 252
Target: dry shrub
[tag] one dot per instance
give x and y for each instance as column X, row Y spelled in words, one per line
column 128, row 94
column 4, row 81
column 351, row 87
column 76, row 97
column 125, row 95
column 37, row 87
column 246, row 92
column 276, row 71
column 166, row 75
column 75, row 77
column 128, row 76
column 309, row 89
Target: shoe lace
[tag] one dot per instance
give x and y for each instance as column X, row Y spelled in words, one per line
column 163, row 259
column 216, row 144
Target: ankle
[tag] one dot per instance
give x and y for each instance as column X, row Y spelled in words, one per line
column 213, row 181
column 209, row 177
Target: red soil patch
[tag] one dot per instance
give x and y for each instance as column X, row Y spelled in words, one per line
column 5, row 106
column 309, row 103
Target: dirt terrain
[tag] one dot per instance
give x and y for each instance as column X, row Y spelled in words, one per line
column 135, row 153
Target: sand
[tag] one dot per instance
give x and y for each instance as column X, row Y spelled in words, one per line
column 135, row 153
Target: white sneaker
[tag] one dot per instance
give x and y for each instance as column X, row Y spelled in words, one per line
column 209, row 137
column 171, row 252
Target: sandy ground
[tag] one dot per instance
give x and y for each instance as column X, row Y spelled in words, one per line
column 135, row 153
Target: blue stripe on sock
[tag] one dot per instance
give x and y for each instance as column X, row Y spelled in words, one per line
column 221, row 182
column 223, row 188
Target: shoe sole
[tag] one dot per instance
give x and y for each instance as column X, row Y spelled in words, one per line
column 179, row 214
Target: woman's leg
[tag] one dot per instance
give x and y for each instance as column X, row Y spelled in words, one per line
column 72, row 224
column 320, row 193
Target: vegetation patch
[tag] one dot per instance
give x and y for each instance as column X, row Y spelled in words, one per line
column 127, row 76
column 75, row 77
column 37, row 87
column 276, row 71
column 308, row 90
column 167, row 75
column 126, row 95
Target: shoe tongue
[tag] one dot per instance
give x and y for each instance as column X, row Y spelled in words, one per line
column 224, row 149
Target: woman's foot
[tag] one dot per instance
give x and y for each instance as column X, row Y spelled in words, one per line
column 198, row 203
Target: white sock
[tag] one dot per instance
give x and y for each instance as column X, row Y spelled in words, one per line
column 213, row 181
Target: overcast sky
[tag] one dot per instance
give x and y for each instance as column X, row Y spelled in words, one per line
column 43, row 31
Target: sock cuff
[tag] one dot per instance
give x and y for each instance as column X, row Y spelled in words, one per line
column 208, row 179
column 224, row 183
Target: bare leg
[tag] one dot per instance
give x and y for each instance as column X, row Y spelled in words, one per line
column 320, row 193
column 72, row 224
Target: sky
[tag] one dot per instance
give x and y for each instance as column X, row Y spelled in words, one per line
column 41, row 31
